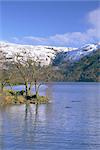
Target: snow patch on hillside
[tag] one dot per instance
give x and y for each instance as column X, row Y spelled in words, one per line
column 46, row 54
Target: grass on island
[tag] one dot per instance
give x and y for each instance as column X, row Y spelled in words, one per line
column 6, row 98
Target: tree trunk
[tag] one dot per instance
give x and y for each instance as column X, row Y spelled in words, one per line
column 2, row 87
column 29, row 89
column 36, row 89
column 26, row 88
column 37, row 94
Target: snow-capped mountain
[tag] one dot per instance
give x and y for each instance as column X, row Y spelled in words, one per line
column 47, row 54
column 78, row 53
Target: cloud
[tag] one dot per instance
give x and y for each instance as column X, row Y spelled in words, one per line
column 15, row 39
column 92, row 34
column 93, row 18
column 74, row 38
column 35, row 39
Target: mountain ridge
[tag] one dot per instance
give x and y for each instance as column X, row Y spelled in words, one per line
column 48, row 54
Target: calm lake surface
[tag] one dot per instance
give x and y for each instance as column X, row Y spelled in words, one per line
column 70, row 122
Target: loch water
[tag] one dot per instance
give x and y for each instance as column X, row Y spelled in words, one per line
column 71, row 121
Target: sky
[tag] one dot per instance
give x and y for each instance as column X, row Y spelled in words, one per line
column 58, row 23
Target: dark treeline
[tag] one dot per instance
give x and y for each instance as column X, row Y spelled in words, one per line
column 86, row 69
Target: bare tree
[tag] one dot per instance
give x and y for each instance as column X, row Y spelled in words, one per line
column 5, row 75
column 31, row 71
column 42, row 74
column 23, row 67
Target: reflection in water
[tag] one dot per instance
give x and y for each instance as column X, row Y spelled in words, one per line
column 30, row 123
column 52, row 126
column 48, row 91
column 36, row 109
column 34, row 116
column 29, row 110
column 1, row 131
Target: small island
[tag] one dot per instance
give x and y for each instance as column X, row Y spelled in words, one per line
column 11, row 97
column 22, row 69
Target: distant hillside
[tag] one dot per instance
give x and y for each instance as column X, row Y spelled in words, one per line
column 86, row 69
column 69, row 64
